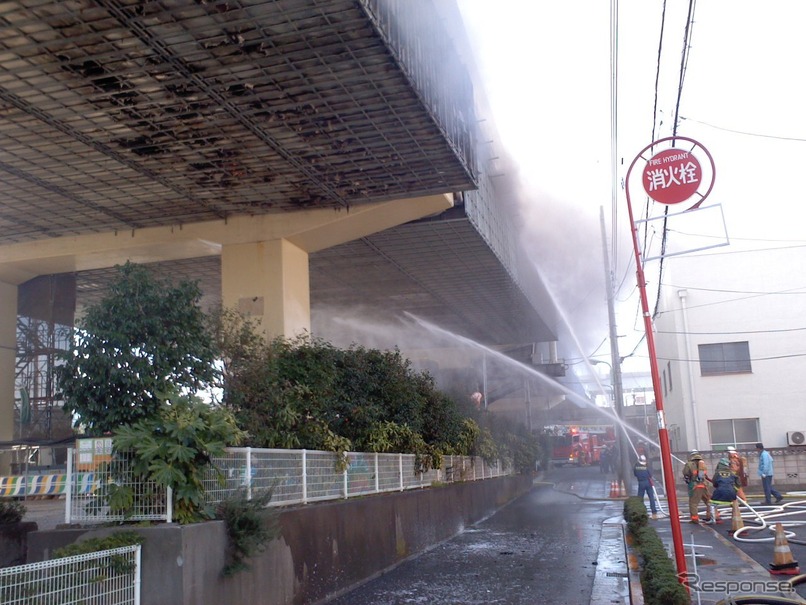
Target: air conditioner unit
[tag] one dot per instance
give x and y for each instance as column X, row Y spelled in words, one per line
column 796, row 438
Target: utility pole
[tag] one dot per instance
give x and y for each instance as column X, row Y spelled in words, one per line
column 615, row 376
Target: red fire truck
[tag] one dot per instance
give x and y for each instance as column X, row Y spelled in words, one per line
column 579, row 444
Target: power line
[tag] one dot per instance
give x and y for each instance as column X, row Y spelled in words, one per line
column 744, row 132
column 731, row 333
column 724, row 302
column 751, row 359
column 749, row 250
column 681, row 79
column 755, row 292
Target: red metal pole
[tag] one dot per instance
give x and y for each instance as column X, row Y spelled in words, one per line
column 663, row 434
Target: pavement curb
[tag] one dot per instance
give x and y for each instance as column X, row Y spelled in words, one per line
column 636, row 590
column 613, row 583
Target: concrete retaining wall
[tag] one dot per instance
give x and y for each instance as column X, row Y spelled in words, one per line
column 789, row 465
column 324, row 550
column 14, row 542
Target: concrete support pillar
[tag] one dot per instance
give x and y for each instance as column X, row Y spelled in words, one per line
column 8, row 358
column 268, row 281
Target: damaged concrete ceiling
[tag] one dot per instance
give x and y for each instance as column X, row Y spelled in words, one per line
column 124, row 115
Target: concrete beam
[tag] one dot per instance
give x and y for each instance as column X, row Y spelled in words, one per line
column 310, row 230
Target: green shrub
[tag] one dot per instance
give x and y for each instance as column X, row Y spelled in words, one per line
column 658, row 573
column 115, row 540
column 250, row 527
column 174, row 449
column 635, row 514
column 11, row 512
column 116, row 564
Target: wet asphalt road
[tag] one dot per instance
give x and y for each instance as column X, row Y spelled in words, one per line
column 540, row 548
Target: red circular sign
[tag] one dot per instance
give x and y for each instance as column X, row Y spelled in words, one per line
column 672, row 176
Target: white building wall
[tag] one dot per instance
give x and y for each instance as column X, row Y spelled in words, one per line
column 732, row 296
column 674, row 380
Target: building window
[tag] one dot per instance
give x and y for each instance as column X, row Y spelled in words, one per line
column 725, row 358
column 738, row 432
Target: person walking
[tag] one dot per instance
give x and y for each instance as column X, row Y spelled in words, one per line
column 643, row 473
column 695, row 474
column 766, row 471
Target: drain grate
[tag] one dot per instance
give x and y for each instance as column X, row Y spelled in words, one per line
column 617, row 574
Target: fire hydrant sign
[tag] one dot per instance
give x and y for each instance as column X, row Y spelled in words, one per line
column 672, row 176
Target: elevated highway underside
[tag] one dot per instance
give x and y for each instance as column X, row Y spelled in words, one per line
column 310, row 153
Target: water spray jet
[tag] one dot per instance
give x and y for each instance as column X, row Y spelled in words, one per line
column 434, row 329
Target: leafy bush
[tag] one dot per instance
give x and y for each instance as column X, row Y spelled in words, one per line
column 115, row 540
column 306, row 393
column 117, row 564
column 11, row 512
column 635, row 514
column 392, row 437
column 250, row 527
column 659, row 580
column 175, row 449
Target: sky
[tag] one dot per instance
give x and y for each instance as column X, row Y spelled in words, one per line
column 547, row 73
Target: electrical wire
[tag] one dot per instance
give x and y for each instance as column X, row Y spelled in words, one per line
column 721, row 302
column 751, row 359
column 743, row 132
column 730, row 333
column 681, row 79
column 755, row 292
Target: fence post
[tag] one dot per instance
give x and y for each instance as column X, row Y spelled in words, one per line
column 68, row 488
column 346, row 489
column 377, row 473
column 248, row 473
column 400, row 472
column 138, row 573
column 169, row 508
column 305, row 476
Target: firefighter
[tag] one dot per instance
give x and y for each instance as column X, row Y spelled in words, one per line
column 726, row 483
column 738, row 464
column 643, row 473
column 695, row 473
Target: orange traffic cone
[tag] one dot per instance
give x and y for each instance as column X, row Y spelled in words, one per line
column 613, row 490
column 622, row 491
column 783, row 563
column 736, row 521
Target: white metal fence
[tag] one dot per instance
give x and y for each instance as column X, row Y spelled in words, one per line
column 111, row 577
column 302, row 476
column 111, row 492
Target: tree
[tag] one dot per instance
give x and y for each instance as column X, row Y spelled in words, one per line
column 142, row 340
